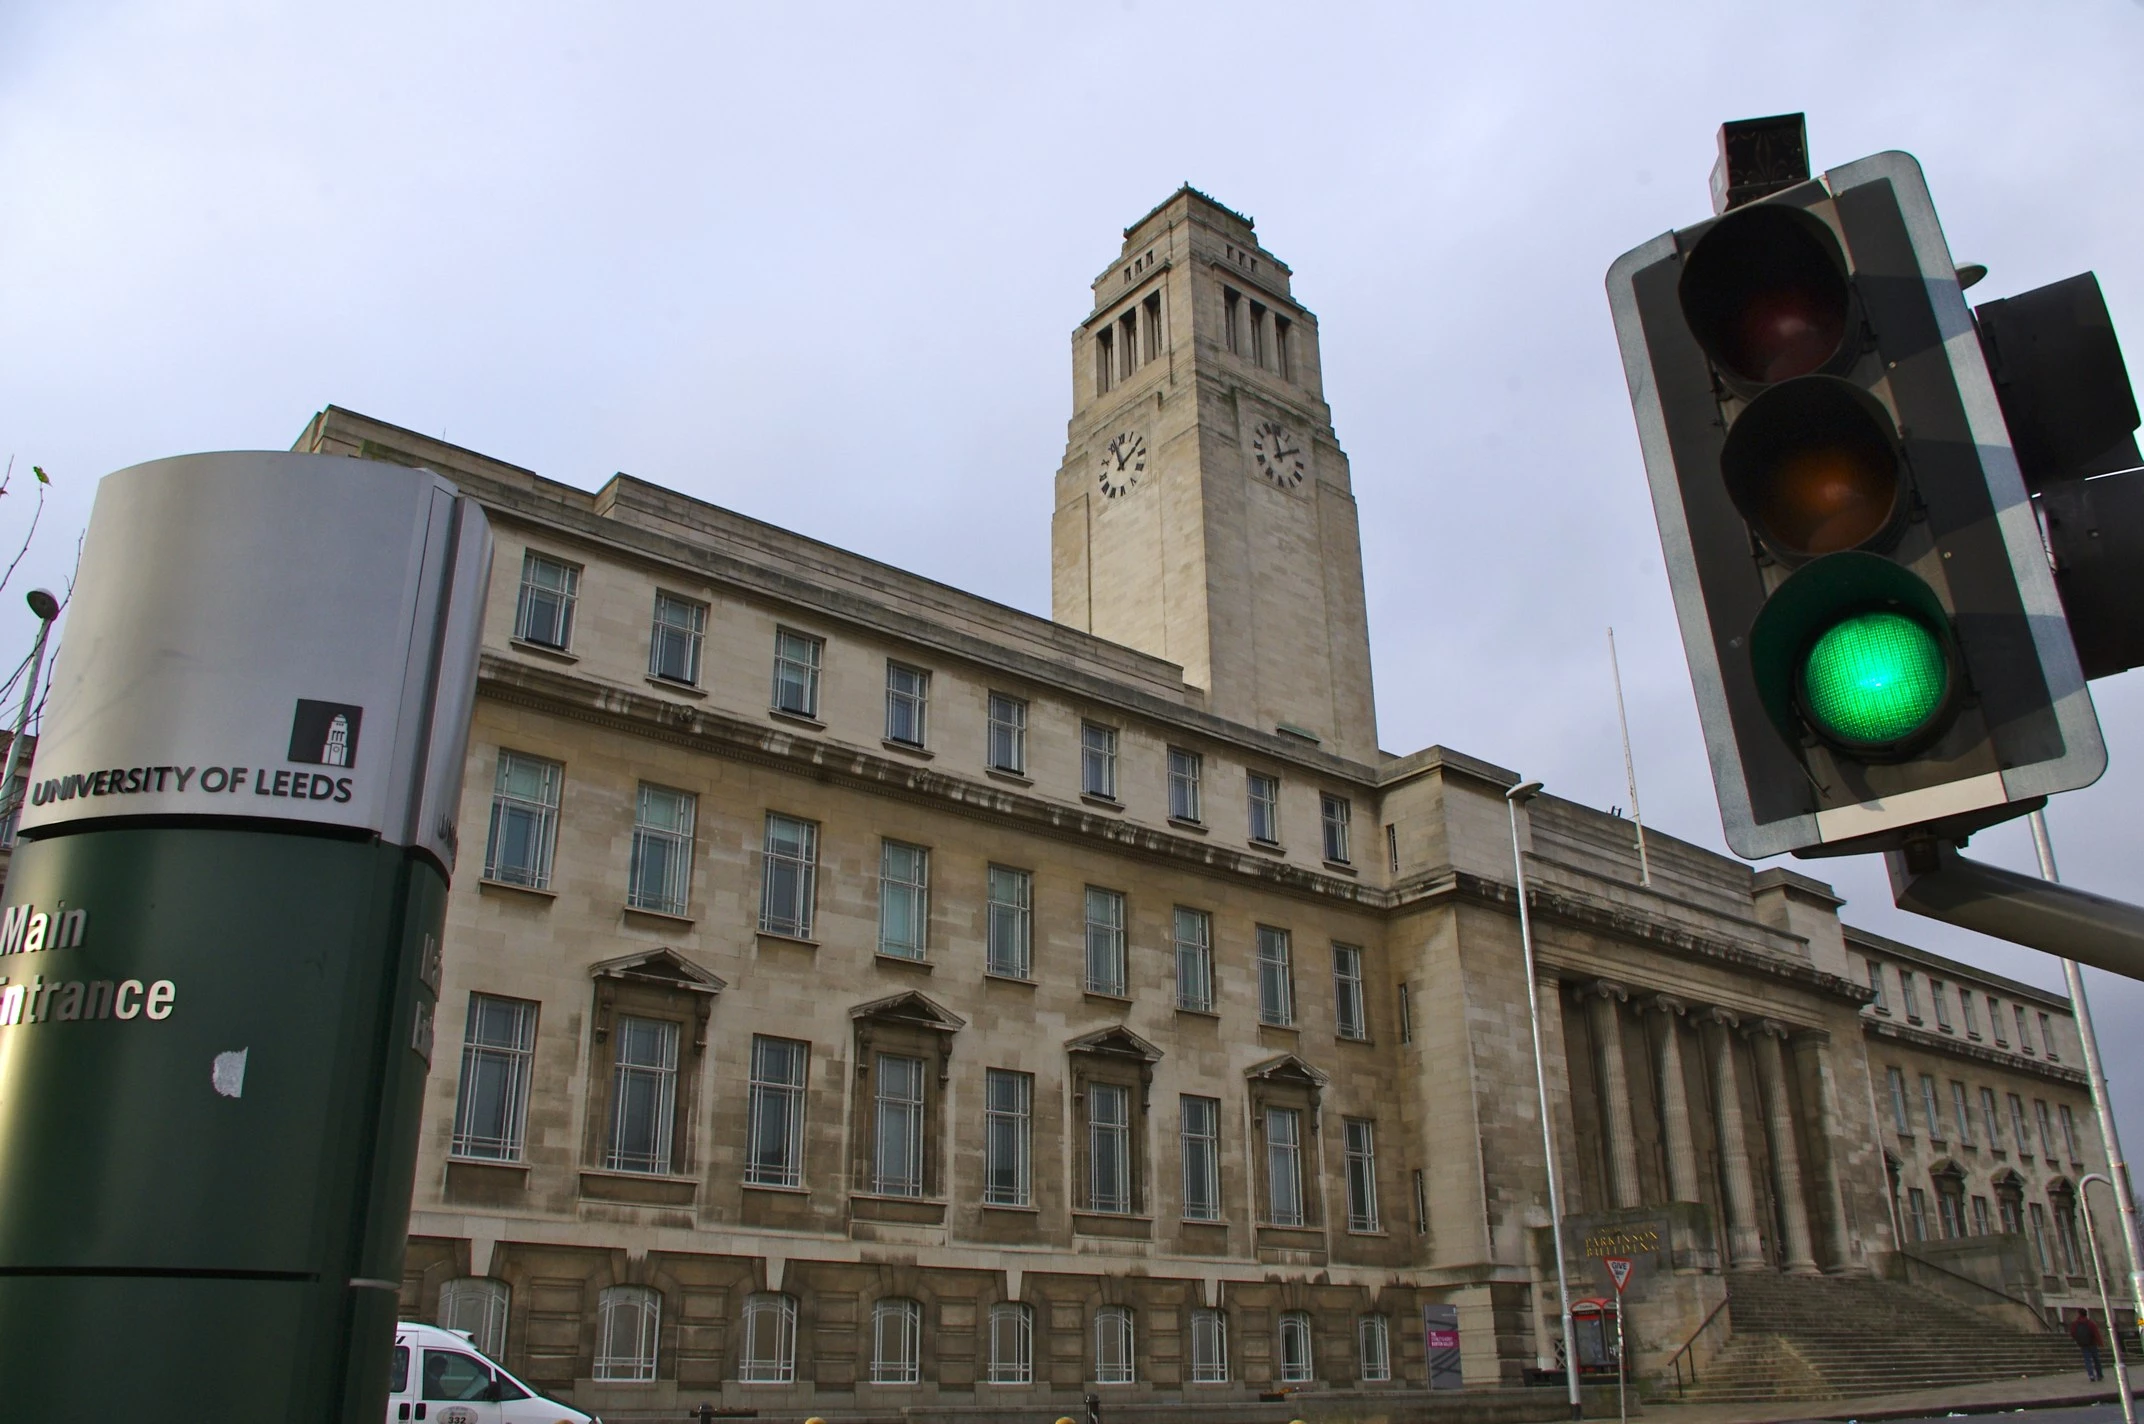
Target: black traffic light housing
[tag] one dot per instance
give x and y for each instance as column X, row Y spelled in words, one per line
column 1873, row 631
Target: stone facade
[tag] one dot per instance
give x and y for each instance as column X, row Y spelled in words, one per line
column 850, row 977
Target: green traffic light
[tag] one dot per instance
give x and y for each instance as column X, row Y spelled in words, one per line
column 1874, row 678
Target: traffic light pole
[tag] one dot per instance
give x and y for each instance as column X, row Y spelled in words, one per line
column 1930, row 878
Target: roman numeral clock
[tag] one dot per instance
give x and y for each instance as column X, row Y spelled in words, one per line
column 1123, row 461
column 1278, row 454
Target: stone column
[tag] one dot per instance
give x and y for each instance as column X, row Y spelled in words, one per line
column 1810, row 1050
column 1606, row 1020
column 1675, row 1104
column 1800, row 1257
column 1745, row 1249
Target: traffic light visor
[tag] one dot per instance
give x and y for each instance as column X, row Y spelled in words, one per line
column 1765, row 293
column 1814, row 468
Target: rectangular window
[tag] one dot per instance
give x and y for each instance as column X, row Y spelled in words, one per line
column 770, row 1340
column 1283, row 357
column 1373, row 1339
column 1011, row 893
column 549, row 589
column 1917, row 1213
column 1194, row 960
column 796, row 672
column 1012, row 1343
column 1899, row 1116
column 1335, row 812
column 661, row 874
column 1907, row 995
column 674, row 642
column 1982, row 1226
column 1881, row 1004
column 789, row 870
column 1258, row 334
column 1995, row 1021
column 1105, row 359
column 1990, row 1118
column 1008, row 734
column 907, row 701
column 1008, row 1132
column 776, row 1154
column 1295, row 1360
column 1276, row 980
column 1264, row 808
column 491, row 1107
column 1361, row 1144
column 897, row 1144
column 1939, row 995
column 1184, row 774
column 1098, row 760
column 1201, row 1132
column 1349, row 1017
column 1928, row 1107
column 2024, row 1030
column 524, row 820
column 1392, row 848
column 1128, row 343
column 643, row 1095
column 2047, row 1128
column 1406, row 1016
column 904, row 899
column 2069, row 1132
column 1113, row 1357
column 1421, row 1203
column 1209, row 1347
column 2047, row 1039
column 2018, row 1126
column 1284, row 1167
column 1962, row 1112
column 1232, row 319
column 896, row 1342
column 1106, row 972
column 2039, row 1239
column 1150, row 323
column 1967, row 1019
column 1109, row 1148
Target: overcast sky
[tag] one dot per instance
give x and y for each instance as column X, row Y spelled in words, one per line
column 821, row 264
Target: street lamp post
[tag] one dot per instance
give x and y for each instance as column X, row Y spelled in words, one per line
column 1513, row 799
column 2099, row 1278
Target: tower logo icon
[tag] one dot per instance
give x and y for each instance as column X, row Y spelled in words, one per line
column 325, row 733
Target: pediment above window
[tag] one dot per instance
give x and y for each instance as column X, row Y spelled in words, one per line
column 1116, row 1041
column 664, row 968
column 910, row 1010
column 1287, row 1068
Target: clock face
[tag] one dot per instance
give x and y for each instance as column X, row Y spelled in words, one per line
column 1279, row 454
column 1123, row 461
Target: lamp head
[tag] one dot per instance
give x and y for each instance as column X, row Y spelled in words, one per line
column 1524, row 792
column 43, row 604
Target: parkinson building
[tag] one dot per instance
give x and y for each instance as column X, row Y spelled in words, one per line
column 862, row 996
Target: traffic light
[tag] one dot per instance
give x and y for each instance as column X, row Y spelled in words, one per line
column 1874, row 635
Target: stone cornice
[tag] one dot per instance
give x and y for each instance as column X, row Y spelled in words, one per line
column 1977, row 1052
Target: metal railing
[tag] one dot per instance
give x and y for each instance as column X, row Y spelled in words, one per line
column 1684, row 1360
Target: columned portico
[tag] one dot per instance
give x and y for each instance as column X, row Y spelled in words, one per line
column 1745, row 1248
column 1606, row 1021
column 1674, row 1101
column 1812, row 1052
column 1799, row 1256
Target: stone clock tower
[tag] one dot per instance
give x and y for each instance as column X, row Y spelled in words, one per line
column 1204, row 512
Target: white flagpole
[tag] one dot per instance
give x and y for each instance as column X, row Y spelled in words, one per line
column 1630, row 768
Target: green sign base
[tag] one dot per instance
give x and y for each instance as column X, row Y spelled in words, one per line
column 213, row 1046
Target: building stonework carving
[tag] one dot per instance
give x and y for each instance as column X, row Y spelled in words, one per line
column 860, row 995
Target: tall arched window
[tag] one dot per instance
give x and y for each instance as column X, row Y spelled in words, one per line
column 1113, row 1346
column 1374, row 1339
column 1209, row 1347
column 476, row 1305
column 1012, row 1343
column 896, row 1342
column 628, row 1318
column 770, row 1340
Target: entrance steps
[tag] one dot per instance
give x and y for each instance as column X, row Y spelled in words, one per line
column 1839, row 1337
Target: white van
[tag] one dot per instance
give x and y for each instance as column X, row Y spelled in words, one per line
column 438, row 1377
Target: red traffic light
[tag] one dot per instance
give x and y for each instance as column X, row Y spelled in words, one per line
column 1765, row 293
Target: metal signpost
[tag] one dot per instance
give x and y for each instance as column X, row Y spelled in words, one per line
column 1619, row 1273
column 220, row 942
